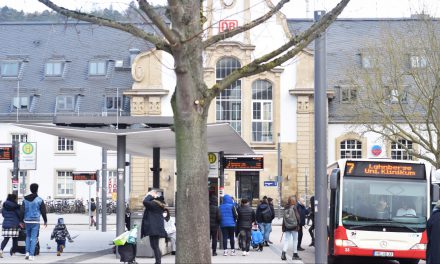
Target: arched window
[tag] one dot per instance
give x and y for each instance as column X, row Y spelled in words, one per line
column 351, row 149
column 262, row 109
column 399, row 149
column 228, row 103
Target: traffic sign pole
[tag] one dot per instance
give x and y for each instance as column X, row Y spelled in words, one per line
column 15, row 170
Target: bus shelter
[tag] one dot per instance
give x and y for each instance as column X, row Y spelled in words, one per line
column 147, row 142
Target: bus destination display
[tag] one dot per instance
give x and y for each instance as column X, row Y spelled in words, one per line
column 384, row 169
column 6, row 153
column 243, row 163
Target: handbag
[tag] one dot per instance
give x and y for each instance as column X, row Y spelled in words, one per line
column 121, row 239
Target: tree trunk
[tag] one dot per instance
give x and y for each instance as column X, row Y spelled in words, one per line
column 190, row 119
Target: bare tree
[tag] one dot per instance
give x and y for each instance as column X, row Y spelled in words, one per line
column 192, row 98
column 399, row 88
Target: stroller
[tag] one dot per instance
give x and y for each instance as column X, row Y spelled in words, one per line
column 126, row 246
column 257, row 240
column 22, row 242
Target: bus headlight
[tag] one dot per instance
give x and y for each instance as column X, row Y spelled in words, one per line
column 344, row 243
column 419, row 246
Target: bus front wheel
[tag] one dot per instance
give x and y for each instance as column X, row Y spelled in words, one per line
column 409, row 261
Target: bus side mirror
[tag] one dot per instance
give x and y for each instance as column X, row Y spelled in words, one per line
column 435, row 192
column 334, row 179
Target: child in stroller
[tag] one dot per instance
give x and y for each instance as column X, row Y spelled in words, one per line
column 257, row 240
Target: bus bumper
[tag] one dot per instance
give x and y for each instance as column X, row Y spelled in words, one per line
column 366, row 252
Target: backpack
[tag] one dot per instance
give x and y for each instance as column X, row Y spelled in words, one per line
column 266, row 215
column 289, row 218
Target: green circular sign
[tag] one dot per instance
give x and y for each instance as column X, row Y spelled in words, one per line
column 28, row 148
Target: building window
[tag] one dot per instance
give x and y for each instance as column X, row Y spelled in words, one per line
column 262, row 111
column 65, row 183
column 399, row 149
column 97, row 68
column 10, row 68
column 19, row 138
column 351, row 149
column 54, row 69
column 366, row 61
column 65, row 102
column 397, row 95
column 113, row 103
column 228, row 103
column 418, row 61
column 21, row 102
column 348, row 94
column 65, row 144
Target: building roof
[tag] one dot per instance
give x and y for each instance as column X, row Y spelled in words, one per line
column 346, row 39
column 75, row 44
column 140, row 142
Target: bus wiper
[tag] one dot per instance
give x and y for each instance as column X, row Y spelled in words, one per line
column 384, row 224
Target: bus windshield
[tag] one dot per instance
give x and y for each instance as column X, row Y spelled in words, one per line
column 382, row 204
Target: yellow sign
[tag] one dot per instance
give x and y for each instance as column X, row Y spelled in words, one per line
column 114, row 196
column 28, row 148
column 212, row 158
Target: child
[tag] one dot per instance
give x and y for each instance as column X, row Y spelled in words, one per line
column 257, row 239
column 60, row 233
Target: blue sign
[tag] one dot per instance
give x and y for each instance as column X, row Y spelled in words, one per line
column 270, row 183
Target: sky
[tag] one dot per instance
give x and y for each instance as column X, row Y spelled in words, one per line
column 294, row 9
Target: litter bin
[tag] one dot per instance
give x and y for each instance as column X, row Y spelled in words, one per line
column 143, row 245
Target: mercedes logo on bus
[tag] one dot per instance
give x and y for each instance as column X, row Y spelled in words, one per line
column 383, row 244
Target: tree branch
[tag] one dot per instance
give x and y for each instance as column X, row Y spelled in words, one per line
column 300, row 42
column 126, row 27
column 230, row 33
column 158, row 21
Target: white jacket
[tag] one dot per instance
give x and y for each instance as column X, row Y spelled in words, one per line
column 170, row 226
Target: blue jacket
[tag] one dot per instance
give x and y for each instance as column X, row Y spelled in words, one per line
column 11, row 214
column 226, row 212
column 256, row 237
column 32, row 208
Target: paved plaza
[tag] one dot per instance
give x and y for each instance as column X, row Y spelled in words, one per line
column 93, row 246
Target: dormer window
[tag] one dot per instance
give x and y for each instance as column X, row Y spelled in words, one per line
column 10, row 68
column 54, row 69
column 348, row 94
column 65, row 102
column 21, row 103
column 418, row 61
column 366, row 61
column 98, row 68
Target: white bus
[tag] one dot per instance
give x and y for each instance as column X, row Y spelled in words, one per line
column 379, row 208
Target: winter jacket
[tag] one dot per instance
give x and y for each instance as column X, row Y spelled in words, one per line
column 214, row 213
column 227, row 210
column 60, row 233
column 32, row 208
column 302, row 211
column 433, row 230
column 260, row 209
column 152, row 220
column 170, row 225
column 246, row 216
column 11, row 214
column 298, row 219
